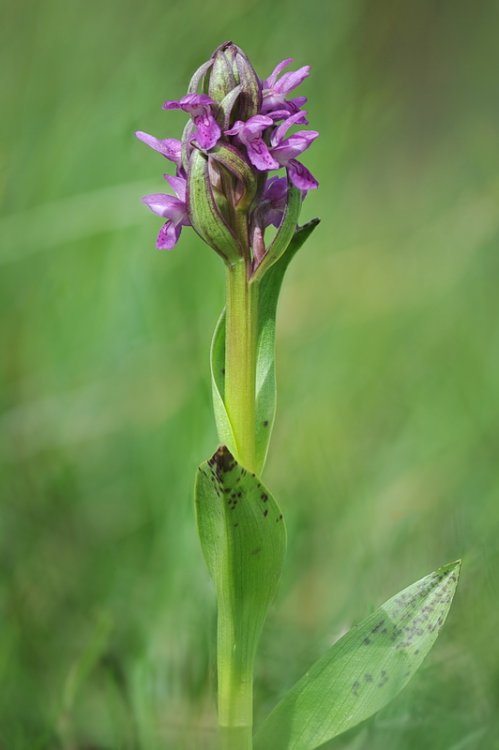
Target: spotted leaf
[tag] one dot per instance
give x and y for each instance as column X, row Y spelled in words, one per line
column 365, row 669
column 243, row 539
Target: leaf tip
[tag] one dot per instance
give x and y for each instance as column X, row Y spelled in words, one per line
column 222, row 459
column 449, row 569
column 311, row 224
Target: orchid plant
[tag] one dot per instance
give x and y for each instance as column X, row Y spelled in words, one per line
column 229, row 187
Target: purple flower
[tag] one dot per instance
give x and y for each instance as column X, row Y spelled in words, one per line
column 174, row 209
column 171, row 148
column 250, row 134
column 198, row 106
column 273, row 202
column 274, row 102
column 284, row 151
column 270, row 210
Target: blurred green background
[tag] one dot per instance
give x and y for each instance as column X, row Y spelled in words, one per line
column 386, row 450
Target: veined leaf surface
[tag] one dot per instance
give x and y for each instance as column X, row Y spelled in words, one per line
column 365, row 669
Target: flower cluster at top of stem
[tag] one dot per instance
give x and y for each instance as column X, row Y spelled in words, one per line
column 238, row 132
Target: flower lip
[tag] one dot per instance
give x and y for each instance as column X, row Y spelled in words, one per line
column 250, row 134
column 168, row 236
column 207, row 131
column 300, row 176
column 170, row 207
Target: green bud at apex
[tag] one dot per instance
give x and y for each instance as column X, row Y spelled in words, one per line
column 230, row 70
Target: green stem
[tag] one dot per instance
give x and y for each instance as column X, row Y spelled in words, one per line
column 235, row 664
column 240, row 362
column 235, row 681
column 236, row 738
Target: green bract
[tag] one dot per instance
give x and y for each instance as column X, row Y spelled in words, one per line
column 204, row 213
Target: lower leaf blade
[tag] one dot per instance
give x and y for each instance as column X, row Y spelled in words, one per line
column 243, row 538
column 365, row 669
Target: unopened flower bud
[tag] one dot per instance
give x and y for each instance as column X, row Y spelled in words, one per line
column 231, row 68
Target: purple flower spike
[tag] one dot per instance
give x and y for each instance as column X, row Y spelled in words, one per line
column 274, row 101
column 172, row 208
column 250, row 134
column 239, row 129
column 170, row 147
column 198, row 106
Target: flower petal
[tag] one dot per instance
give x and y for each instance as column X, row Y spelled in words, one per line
column 168, row 236
column 196, row 100
column 172, row 104
column 273, row 203
column 298, row 101
column 190, row 103
column 276, row 190
column 165, row 205
column 255, row 126
column 178, row 185
column 207, row 129
column 282, row 110
column 301, row 177
column 293, row 146
column 278, row 114
column 299, row 118
column 290, row 81
column 270, row 81
column 235, row 129
column 260, row 156
column 169, row 147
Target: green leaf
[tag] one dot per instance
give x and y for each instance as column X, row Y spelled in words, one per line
column 217, row 364
column 243, row 539
column 365, row 669
column 268, row 295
